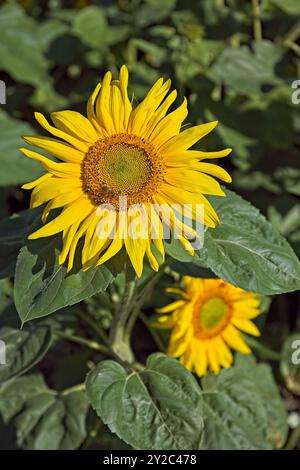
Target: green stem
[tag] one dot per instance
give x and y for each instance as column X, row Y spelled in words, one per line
column 293, row 46
column 293, row 439
column 293, row 34
column 142, row 295
column 119, row 321
column 85, row 342
column 154, row 333
column 257, row 30
column 262, row 350
column 93, row 325
column 75, row 388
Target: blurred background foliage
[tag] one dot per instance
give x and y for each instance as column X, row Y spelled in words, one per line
column 234, row 60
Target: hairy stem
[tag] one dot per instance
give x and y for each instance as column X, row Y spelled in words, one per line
column 293, row 439
column 86, row 318
column 75, row 388
column 139, row 300
column 86, row 342
column 116, row 337
column 257, row 30
column 153, row 332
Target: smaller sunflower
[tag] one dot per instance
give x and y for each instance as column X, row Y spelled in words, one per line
column 207, row 321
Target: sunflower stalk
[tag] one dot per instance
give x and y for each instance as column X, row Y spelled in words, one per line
column 117, row 332
column 141, row 296
column 257, row 29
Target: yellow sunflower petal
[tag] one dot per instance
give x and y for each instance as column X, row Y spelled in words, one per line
column 160, row 113
column 91, row 110
column 64, row 152
column 37, row 181
column 200, row 359
column 59, row 201
column 151, row 258
column 75, row 124
column 103, row 105
column 234, row 339
column 136, row 251
column 171, row 195
column 114, row 248
column 176, row 348
column 71, row 214
column 170, row 125
column 123, row 77
column 63, row 170
column 213, row 170
column 51, row 188
column 142, row 114
column 171, row 307
column 194, row 182
column 77, row 143
column 187, row 138
column 68, row 236
column 246, row 325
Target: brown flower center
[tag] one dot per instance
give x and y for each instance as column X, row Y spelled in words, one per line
column 121, row 165
column 211, row 317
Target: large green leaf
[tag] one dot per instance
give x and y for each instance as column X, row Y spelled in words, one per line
column 21, row 54
column 247, row 72
column 43, row 418
column 247, row 251
column 157, row 408
column 42, row 286
column 163, row 407
column 15, row 168
column 243, row 408
column 24, row 348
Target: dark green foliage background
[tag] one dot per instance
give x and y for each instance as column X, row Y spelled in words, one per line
column 52, row 54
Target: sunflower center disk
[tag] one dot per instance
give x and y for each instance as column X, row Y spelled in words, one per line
column 125, row 168
column 212, row 317
column 121, row 165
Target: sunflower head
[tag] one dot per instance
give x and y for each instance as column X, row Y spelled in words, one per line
column 118, row 152
column 207, row 321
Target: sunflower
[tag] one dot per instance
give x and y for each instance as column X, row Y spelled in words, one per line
column 119, row 152
column 207, row 321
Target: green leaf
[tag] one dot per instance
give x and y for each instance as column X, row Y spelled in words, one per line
column 245, row 250
column 290, row 363
column 153, row 11
column 42, row 286
column 157, row 408
column 15, row 168
column 21, row 54
column 243, row 408
column 43, row 418
column 13, row 234
column 247, row 72
column 193, row 270
column 90, row 26
column 163, row 407
column 24, row 348
column 292, row 7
